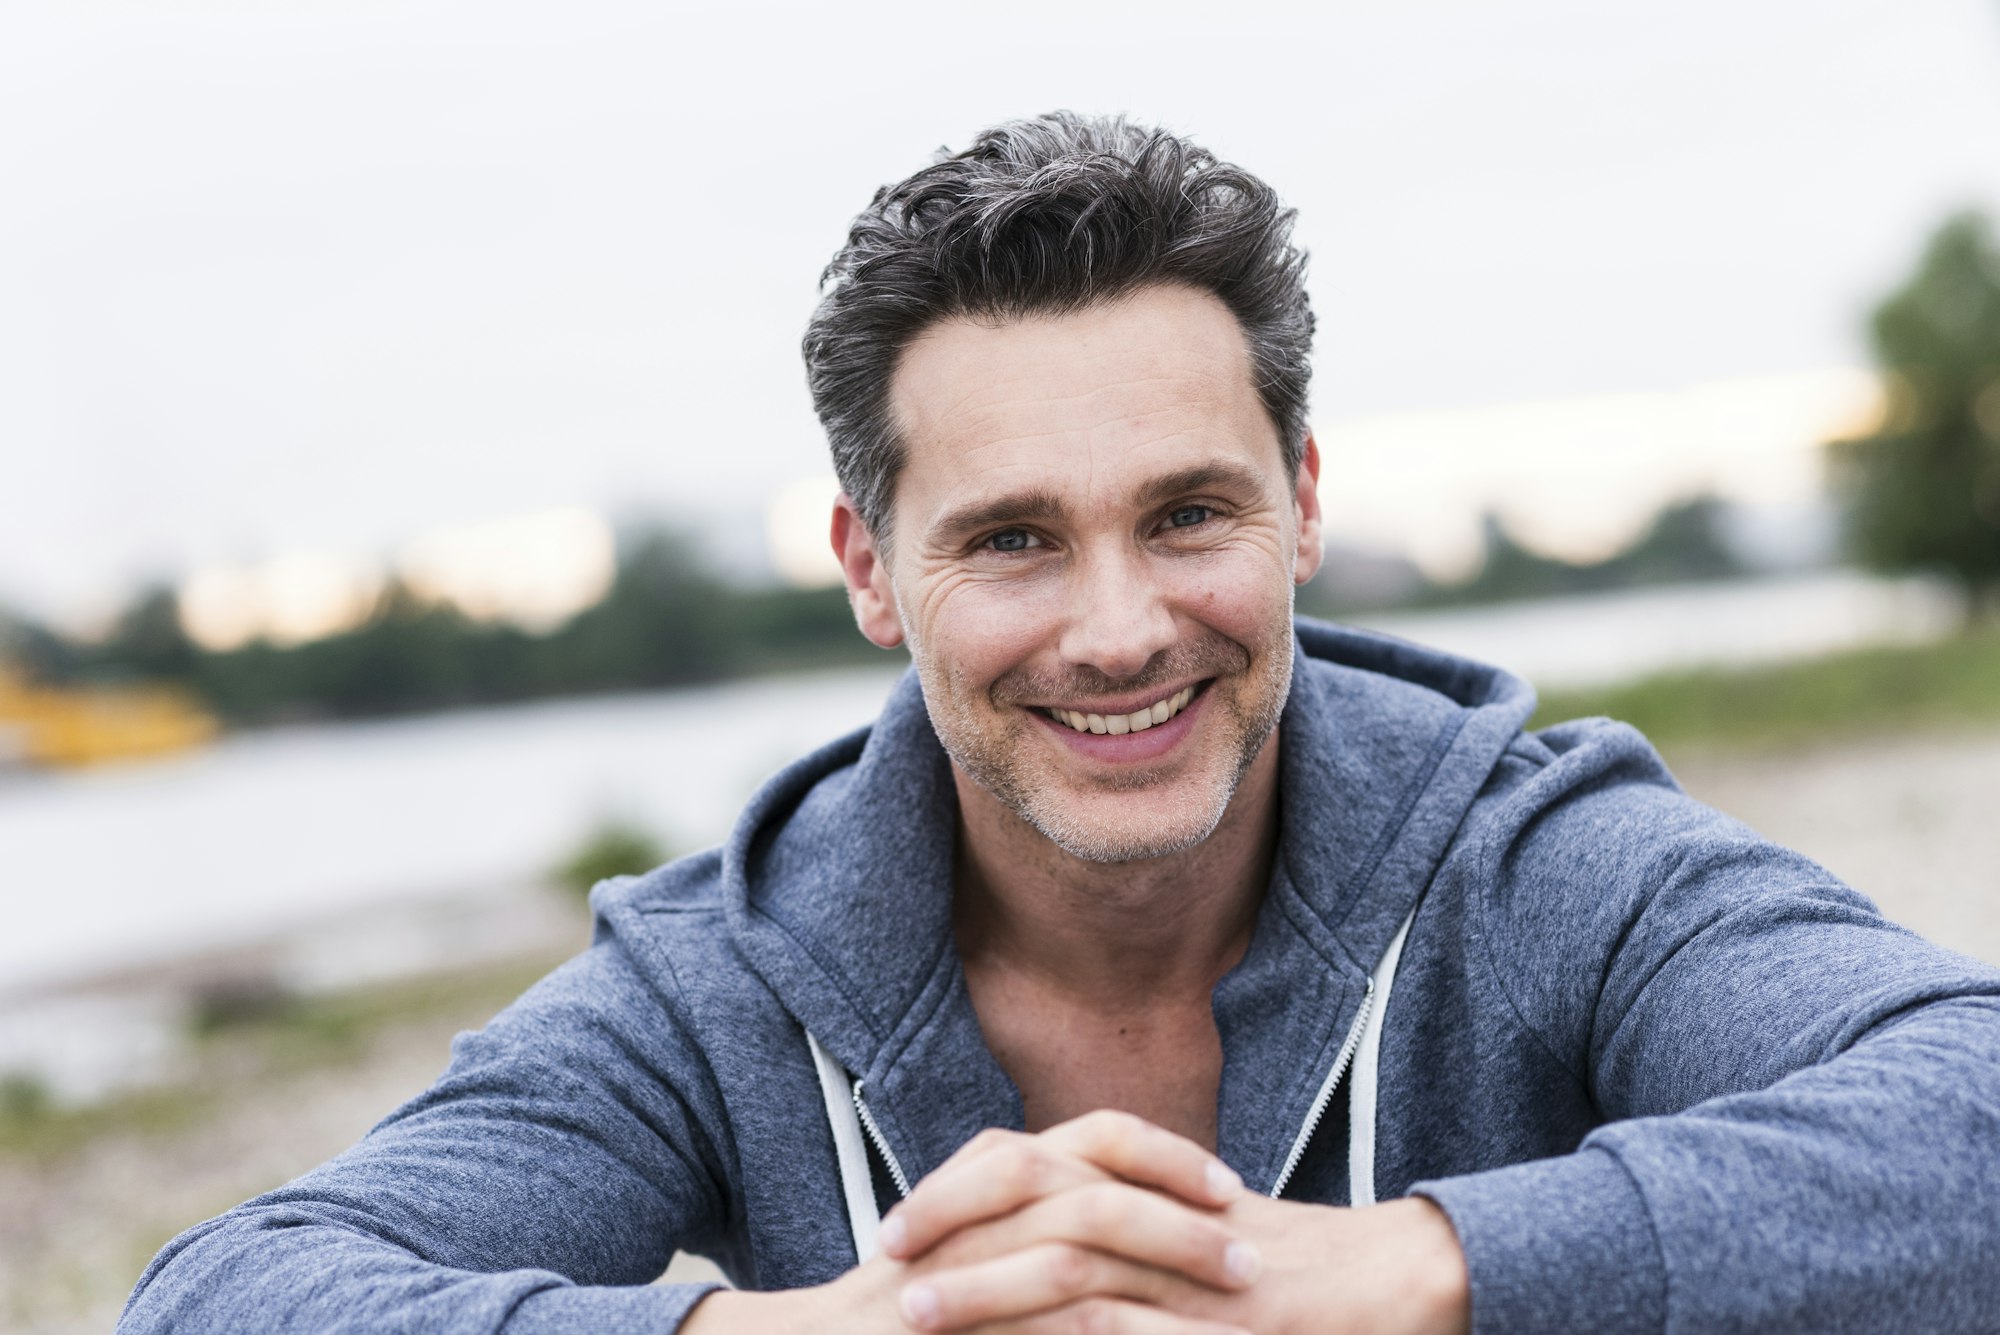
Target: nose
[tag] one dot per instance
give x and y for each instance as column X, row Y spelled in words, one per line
column 1117, row 617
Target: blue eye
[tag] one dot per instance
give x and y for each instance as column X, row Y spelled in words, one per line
column 1010, row 540
column 1187, row 516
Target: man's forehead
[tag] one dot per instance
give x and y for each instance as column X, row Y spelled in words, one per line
column 1110, row 400
column 1141, row 349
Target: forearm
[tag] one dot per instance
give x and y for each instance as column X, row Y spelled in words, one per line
column 828, row 1309
column 275, row 1269
column 1856, row 1194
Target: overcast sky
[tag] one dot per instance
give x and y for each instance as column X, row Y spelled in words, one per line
column 324, row 276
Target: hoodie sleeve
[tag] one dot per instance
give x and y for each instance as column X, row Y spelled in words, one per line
column 537, row 1188
column 1801, row 1099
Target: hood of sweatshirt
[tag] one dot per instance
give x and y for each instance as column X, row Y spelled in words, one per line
column 837, row 885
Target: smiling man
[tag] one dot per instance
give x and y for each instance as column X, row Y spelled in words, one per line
column 1157, row 963
column 1101, row 538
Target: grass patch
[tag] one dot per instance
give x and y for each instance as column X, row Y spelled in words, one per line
column 48, row 1130
column 339, row 1026
column 1859, row 693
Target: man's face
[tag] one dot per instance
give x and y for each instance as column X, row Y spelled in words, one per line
column 1093, row 527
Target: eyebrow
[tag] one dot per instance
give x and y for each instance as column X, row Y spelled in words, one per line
column 1039, row 504
column 1218, row 475
column 1036, row 504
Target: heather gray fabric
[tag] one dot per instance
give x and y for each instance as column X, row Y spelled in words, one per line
column 1662, row 1074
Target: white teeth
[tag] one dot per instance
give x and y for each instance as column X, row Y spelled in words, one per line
column 1117, row 725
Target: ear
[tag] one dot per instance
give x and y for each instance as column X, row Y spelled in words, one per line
column 868, row 589
column 1305, row 497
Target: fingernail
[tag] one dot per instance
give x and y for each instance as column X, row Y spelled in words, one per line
column 920, row 1305
column 1242, row 1262
column 1223, row 1184
column 893, row 1235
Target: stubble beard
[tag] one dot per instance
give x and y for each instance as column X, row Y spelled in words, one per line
column 1181, row 814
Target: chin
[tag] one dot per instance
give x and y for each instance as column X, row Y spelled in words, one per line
column 1156, row 829
column 1129, row 817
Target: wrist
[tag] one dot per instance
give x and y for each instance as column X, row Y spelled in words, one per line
column 1440, row 1283
column 784, row 1312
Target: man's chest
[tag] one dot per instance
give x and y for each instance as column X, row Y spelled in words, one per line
column 1163, row 1063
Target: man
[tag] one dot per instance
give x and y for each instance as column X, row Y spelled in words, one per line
column 1148, row 940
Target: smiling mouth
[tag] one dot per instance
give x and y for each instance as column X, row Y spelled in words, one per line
column 1117, row 725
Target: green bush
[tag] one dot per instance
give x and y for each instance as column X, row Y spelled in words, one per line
column 23, row 1099
column 613, row 848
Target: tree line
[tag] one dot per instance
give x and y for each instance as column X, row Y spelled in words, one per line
column 666, row 620
column 1919, row 491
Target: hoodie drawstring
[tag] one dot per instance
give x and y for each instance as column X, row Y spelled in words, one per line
column 856, row 1182
column 1363, row 1085
column 1363, row 1079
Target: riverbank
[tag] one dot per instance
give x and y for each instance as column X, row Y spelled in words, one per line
column 93, row 1192
column 1908, row 820
column 1937, row 686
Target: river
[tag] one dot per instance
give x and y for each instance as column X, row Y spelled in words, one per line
column 276, row 831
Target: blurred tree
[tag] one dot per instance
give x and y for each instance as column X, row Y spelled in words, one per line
column 1923, row 490
column 147, row 639
column 1685, row 541
column 667, row 620
column 31, row 648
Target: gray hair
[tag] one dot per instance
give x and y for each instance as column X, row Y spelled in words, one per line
column 1048, row 216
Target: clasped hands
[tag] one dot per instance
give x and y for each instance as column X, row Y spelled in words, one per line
column 1110, row 1225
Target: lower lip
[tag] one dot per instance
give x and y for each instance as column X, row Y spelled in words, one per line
column 1133, row 747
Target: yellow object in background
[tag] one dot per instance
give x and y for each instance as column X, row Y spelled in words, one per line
column 41, row 725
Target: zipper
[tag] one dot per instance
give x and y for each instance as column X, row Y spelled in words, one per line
column 881, row 1145
column 1318, row 1109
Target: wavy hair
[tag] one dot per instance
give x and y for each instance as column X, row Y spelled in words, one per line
column 1042, row 217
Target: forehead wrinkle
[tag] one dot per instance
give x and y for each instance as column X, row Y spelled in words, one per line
column 976, row 403
column 983, row 411
column 1121, row 433
column 1071, row 371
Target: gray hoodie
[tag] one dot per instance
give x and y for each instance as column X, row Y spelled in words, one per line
column 1662, row 1074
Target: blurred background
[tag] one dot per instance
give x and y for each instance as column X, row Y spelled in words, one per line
column 411, row 508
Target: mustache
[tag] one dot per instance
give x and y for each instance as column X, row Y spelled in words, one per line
column 1175, row 665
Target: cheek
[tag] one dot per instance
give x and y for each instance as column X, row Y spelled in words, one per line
column 983, row 627
column 1237, row 593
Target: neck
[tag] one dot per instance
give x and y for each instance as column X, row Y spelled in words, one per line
column 1113, row 935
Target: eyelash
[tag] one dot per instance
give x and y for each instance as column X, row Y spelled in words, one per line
column 987, row 542
column 1208, row 514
